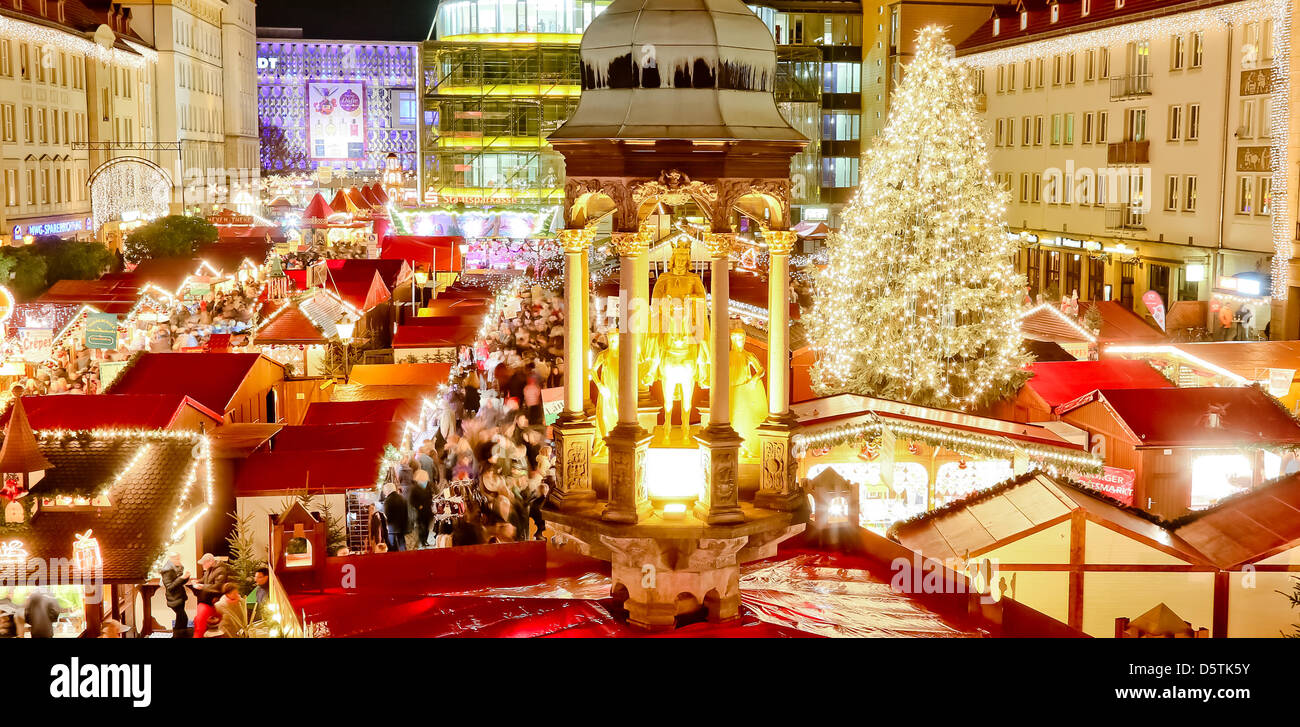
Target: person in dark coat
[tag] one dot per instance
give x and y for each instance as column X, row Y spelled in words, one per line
column 41, row 614
column 174, row 578
column 422, row 503
column 398, row 522
column 378, row 527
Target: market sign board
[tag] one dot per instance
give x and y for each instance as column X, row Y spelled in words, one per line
column 336, row 120
column 1113, row 481
column 101, row 331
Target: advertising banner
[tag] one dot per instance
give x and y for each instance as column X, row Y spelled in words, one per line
column 1156, row 305
column 336, row 119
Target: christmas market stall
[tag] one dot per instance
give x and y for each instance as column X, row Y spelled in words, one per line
column 907, row 459
column 1188, row 448
column 91, row 513
column 1057, row 385
column 1228, row 568
column 302, row 331
column 1271, row 364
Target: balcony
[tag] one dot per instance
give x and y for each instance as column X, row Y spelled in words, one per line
column 1129, row 152
column 1125, row 217
column 1130, row 86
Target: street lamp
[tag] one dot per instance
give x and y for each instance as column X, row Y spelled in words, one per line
column 345, row 328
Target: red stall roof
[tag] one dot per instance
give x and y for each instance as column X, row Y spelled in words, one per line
column 317, row 213
column 435, row 336
column 353, row 435
column 317, row 471
column 212, row 379
column 1180, row 417
column 345, row 412
column 107, row 411
column 441, row 253
column 1060, row 383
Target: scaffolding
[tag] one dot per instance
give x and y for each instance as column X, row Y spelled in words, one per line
column 488, row 110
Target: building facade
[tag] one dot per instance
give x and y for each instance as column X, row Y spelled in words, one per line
column 335, row 105
column 498, row 77
column 1144, row 147
column 205, row 75
column 73, row 74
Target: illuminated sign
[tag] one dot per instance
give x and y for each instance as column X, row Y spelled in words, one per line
column 336, row 120
column 51, row 228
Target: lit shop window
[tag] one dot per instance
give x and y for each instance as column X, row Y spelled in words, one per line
column 880, row 504
column 1216, row 476
column 956, row 480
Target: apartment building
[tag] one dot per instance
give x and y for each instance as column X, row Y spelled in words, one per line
column 71, row 72
column 1144, row 145
column 207, row 84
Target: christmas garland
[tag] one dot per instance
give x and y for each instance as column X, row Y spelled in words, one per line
column 970, row 444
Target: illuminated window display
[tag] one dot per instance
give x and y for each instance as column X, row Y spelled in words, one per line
column 882, row 504
column 1216, row 476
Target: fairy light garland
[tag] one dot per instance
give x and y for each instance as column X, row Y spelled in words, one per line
column 965, row 443
column 1085, row 333
column 1233, row 14
column 42, row 35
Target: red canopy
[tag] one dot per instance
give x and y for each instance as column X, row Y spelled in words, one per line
column 317, row 213
column 441, row 254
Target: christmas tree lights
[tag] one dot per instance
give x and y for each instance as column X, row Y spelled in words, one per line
column 919, row 301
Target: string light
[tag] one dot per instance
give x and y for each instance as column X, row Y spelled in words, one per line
column 919, row 300
column 41, row 35
column 1085, row 333
column 1177, row 23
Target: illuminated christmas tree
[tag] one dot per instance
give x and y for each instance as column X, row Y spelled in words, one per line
column 919, row 301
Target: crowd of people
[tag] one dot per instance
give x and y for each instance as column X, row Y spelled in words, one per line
column 222, row 609
column 481, row 471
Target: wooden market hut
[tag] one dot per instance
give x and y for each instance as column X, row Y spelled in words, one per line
column 1186, row 447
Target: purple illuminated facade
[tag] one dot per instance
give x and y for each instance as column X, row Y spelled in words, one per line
column 341, row 104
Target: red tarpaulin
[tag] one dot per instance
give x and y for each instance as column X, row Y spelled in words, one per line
column 442, row 254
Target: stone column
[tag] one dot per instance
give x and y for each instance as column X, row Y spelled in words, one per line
column 778, row 487
column 629, row 501
column 588, row 404
column 719, row 443
column 575, row 433
column 647, row 408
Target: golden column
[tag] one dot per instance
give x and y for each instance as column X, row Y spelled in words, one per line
column 719, row 443
column 778, row 487
column 575, row 432
column 628, row 441
column 647, row 408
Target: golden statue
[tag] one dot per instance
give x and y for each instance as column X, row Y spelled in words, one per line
column 605, row 373
column 748, row 395
column 676, row 348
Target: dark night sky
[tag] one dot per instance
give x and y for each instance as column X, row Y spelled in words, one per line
column 350, row 19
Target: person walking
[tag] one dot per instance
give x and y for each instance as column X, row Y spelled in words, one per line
column 378, row 527
column 174, row 578
column 398, row 522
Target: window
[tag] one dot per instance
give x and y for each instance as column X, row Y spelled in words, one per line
column 1246, row 125
column 1096, row 278
column 1052, row 260
column 11, row 187
column 1087, row 127
column 1119, row 4
column 1189, row 194
column 1002, row 79
column 1026, row 135
column 31, row 186
column 1024, row 20
column 997, row 25
column 841, row 126
column 42, row 133
column 6, row 68
column 1127, row 271
column 1103, row 63
column 1069, row 129
column 1158, row 280
column 7, row 112
column 1135, row 125
column 842, row 78
column 1024, row 187
column 1264, row 196
column 1193, row 121
column 1245, row 195
column 1029, row 74
column 1000, row 128
column 1038, row 188
column 1040, row 72
column 1177, row 52
column 1056, row 70
column 1171, row 192
column 840, row 172
column 1089, row 65
column 1175, row 122
column 1087, row 8
column 1056, row 129
column 1038, row 131
column 1069, row 68
column 1101, row 127
column 1056, row 12
column 1073, row 274
column 1011, row 131
column 1032, row 267
column 406, row 108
